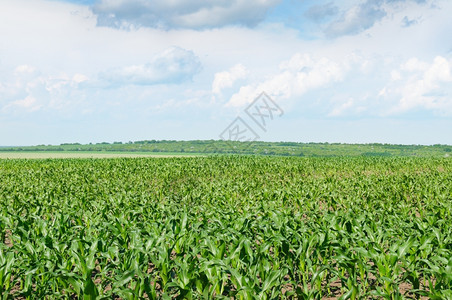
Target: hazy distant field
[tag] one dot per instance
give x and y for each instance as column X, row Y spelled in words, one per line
column 47, row 154
column 153, row 147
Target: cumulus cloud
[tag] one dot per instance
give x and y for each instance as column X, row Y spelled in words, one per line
column 79, row 78
column 365, row 15
column 357, row 19
column 413, row 86
column 28, row 90
column 406, row 22
column 174, row 65
column 320, row 12
column 197, row 14
column 29, row 103
column 227, row 79
column 399, row 1
column 343, row 87
column 414, row 64
column 342, row 108
column 426, row 85
column 24, row 69
column 297, row 76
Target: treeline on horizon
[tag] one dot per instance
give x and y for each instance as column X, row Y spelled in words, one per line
column 256, row 148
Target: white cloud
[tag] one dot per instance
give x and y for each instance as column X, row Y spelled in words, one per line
column 28, row 90
column 29, row 104
column 414, row 64
column 366, row 14
column 24, row 69
column 195, row 14
column 383, row 92
column 357, row 19
column 297, row 76
column 395, row 75
column 408, row 22
column 174, row 65
column 424, row 85
column 354, row 86
column 416, row 86
column 226, row 79
column 320, row 12
column 79, row 78
column 341, row 109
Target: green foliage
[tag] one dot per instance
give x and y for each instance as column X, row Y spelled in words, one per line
column 226, row 226
column 254, row 148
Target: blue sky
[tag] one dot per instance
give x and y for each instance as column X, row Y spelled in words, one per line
column 118, row 70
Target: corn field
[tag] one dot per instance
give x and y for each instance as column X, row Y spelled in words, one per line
column 226, row 227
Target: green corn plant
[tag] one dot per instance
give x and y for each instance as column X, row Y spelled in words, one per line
column 6, row 264
column 213, row 227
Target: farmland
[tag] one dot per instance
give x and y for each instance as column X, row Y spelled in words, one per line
column 226, row 226
column 83, row 154
column 235, row 147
